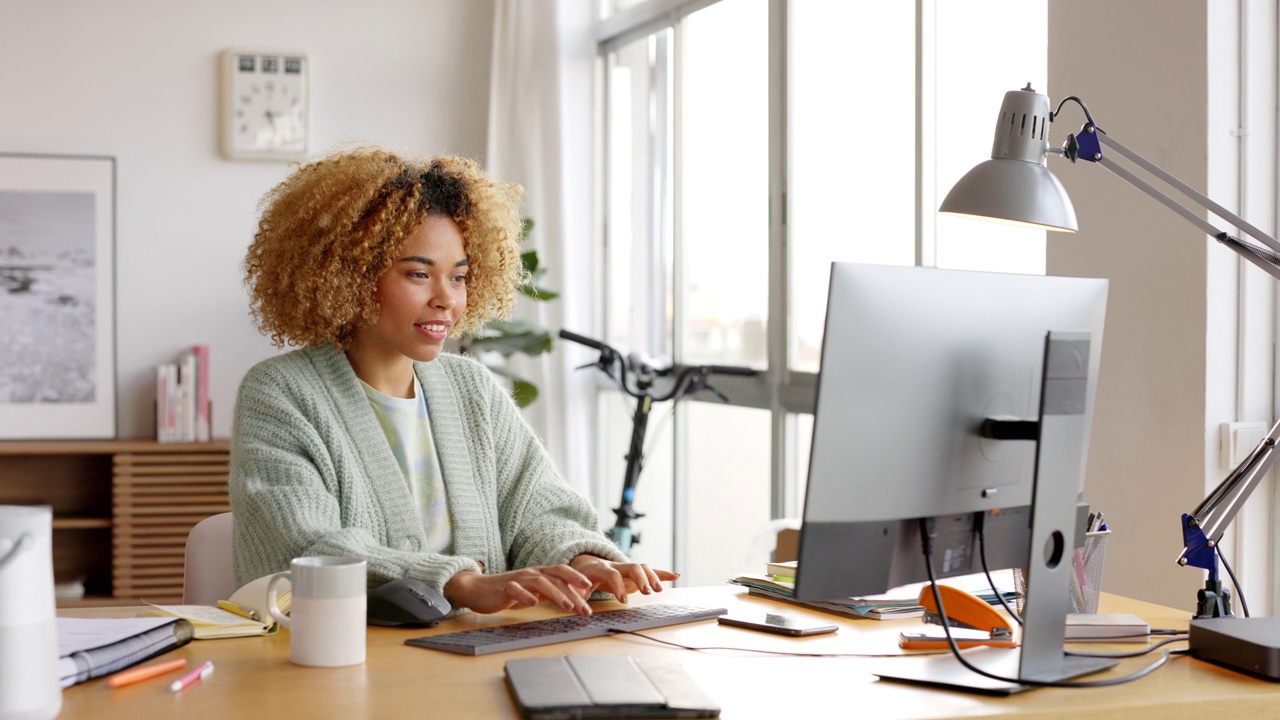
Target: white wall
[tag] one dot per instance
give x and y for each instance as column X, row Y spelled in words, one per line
column 1143, row 69
column 137, row 79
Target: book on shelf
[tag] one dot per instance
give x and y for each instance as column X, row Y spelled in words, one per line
column 203, row 421
column 183, row 411
column 898, row 603
column 92, row 647
column 243, row 614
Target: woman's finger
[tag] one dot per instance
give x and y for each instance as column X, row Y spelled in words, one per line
column 557, row 591
column 568, row 575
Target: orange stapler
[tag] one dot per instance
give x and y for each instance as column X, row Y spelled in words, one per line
column 972, row 620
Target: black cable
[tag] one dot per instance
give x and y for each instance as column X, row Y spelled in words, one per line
column 926, row 544
column 1087, row 116
column 1134, row 653
column 1244, row 606
column 982, row 555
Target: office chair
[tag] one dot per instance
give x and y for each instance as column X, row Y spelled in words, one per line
column 207, row 576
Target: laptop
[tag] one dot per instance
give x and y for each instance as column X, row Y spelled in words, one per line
column 605, row 686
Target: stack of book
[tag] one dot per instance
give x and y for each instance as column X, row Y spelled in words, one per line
column 182, row 398
column 778, row 582
column 92, row 647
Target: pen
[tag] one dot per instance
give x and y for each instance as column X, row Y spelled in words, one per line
column 237, row 609
column 202, row 671
column 146, row 672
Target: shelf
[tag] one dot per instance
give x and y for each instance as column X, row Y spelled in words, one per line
column 81, row 523
column 122, row 509
column 96, row 601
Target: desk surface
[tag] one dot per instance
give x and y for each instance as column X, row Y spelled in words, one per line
column 254, row 677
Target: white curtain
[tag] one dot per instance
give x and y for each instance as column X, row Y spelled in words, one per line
column 540, row 135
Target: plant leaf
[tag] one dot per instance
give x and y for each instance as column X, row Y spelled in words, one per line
column 538, row 293
column 531, row 343
column 530, row 260
column 523, row 391
column 509, row 327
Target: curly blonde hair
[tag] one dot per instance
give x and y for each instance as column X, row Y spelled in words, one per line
column 334, row 226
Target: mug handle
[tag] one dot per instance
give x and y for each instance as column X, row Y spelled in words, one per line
column 23, row 542
column 271, row 599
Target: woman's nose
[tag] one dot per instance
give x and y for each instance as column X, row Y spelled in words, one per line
column 444, row 299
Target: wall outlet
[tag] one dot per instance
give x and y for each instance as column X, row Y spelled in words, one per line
column 1238, row 439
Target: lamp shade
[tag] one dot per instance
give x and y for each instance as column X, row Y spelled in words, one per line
column 1014, row 186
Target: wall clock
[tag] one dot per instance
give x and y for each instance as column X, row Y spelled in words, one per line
column 264, row 108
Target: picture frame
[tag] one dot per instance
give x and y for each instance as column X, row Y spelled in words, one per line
column 57, row 297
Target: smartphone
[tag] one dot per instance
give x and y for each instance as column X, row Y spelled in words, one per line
column 780, row 624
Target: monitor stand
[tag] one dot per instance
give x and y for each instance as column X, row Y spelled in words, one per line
column 1060, row 457
column 945, row 672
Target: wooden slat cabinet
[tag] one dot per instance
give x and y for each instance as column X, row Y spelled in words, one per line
column 122, row 509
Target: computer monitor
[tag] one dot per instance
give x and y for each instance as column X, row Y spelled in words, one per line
column 923, row 370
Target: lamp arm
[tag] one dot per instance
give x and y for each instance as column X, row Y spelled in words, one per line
column 1191, row 192
column 1203, row 527
column 1212, row 516
column 1266, row 256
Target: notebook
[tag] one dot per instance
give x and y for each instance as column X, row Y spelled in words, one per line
column 605, row 686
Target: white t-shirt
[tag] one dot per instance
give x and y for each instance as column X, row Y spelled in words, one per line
column 407, row 425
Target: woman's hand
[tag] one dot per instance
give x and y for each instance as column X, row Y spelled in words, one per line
column 567, row 586
column 559, row 584
column 619, row 578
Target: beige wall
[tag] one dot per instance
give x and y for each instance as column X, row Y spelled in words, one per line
column 1142, row 69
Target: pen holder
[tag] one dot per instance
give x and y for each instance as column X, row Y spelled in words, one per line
column 1086, row 575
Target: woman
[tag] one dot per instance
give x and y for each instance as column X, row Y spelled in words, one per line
column 371, row 441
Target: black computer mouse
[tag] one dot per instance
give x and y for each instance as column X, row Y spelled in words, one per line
column 408, row 602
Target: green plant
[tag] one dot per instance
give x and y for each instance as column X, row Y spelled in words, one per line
column 507, row 338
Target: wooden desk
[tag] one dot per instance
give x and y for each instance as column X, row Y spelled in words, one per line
column 255, row 679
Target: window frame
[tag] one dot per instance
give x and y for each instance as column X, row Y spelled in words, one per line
column 779, row 389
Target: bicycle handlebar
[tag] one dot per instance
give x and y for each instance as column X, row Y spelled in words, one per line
column 730, row 370
column 689, row 378
column 584, row 340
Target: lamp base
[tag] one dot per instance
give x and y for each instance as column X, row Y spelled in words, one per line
column 1247, row 645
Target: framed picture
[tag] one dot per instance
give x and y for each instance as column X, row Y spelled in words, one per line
column 57, row 297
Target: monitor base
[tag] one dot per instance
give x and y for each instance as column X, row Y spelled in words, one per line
column 945, row 672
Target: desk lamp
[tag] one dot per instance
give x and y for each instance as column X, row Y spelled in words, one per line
column 1015, row 186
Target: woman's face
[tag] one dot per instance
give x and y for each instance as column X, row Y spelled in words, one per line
column 421, row 296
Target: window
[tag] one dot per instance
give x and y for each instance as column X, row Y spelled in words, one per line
column 746, row 145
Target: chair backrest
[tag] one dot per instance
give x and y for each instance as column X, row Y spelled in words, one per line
column 207, row 576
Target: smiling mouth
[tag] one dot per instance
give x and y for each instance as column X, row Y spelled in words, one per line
column 434, row 327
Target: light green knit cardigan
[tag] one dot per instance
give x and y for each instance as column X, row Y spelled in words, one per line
column 312, row 474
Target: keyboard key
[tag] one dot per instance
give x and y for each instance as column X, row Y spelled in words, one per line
column 501, row 638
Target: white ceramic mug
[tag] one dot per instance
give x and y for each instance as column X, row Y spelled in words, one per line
column 326, row 621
